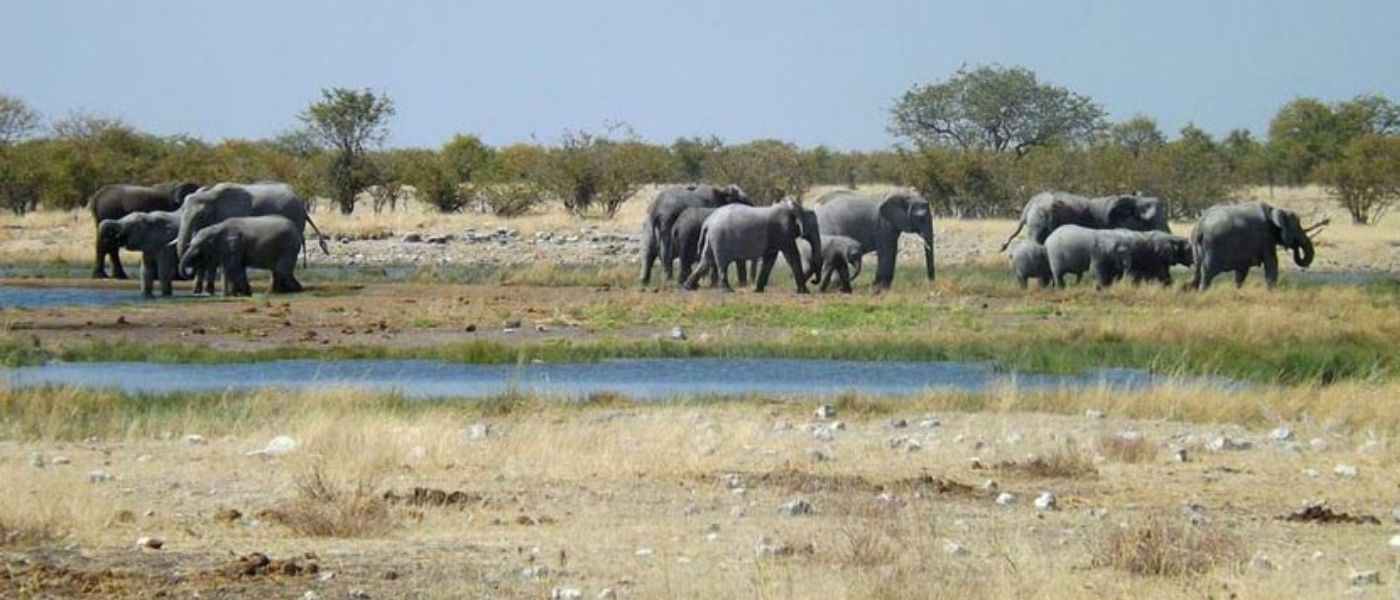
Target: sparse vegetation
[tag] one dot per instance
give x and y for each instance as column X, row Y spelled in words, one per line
column 1162, row 546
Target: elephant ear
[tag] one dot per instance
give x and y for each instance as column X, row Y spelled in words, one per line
column 1274, row 217
column 895, row 209
column 1122, row 209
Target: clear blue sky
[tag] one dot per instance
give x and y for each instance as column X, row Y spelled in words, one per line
column 813, row 72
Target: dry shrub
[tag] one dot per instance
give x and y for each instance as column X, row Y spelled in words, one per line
column 325, row 507
column 1160, row 545
column 1065, row 462
column 1126, row 449
column 16, row 533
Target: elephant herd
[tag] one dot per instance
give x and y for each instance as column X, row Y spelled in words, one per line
column 708, row 228
column 185, row 231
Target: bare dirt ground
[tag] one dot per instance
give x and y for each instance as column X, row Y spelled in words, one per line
column 687, row 502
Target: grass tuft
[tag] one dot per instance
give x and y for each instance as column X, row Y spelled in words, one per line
column 1162, row 546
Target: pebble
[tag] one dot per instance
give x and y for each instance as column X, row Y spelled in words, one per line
column 61, row 460
column 677, row 334
column 149, row 543
column 1095, row 414
column 194, row 439
column 566, row 593
column 1311, row 473
column 899, row 424
column 1179, row 455
column 952, row 548
column 100, row 476
column 1260, row 562
column 1282, row 434
column 644, row 553
column 794, row 508
column 930, row 423
column 1008, row 499
column 278, row 446
column 479, row 431
column 825, row 411
column 990, row 485
column 310, row 595
column 1045, row 501
column 1227, row 444
column 1395, row 542
column 1347, row 471
column 606, row 594
column 1365, row 578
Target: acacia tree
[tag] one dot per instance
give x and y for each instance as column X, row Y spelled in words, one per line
column 17, row 119
column 994, row 108
column 349, row 123
column 596, row 172
column 1139, row 135
column 1366, row 178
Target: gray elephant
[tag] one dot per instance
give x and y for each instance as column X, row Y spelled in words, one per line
column 1112, row 254
column 685, row 241
column 737, row 233
column 841, row 256
column 213, row 204
column 1238, row 237
column 666, row 208
column 237, row 243
column 115, row 201
column 1047, row 211
column 149, row 233
column 1030, row 261
column 875, row 223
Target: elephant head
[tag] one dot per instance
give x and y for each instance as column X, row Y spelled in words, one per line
column 136, row 231
column 1173, row 249
column 204, row 248
column 209, row 205
column 801, row 223
column 731, row 194
column 911, row 213
column 1139, row 213
column 1288, row 232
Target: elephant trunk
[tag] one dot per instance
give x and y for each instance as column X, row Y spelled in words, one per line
column 184, row 271
column 1303, row 252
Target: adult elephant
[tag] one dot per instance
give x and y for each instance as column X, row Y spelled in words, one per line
column 115, row 201
column 214, row 204
column 1238, row 237
column 1113, row 254
column 737, row 233
column 666, row 208
column 149, row 233
column 237, row 243
column 1047, row 211
column 876, row 223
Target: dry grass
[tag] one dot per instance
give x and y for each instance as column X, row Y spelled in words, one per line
column 326, row 507
column 1161, row 545
column 1065, row 461
column 1125, row 447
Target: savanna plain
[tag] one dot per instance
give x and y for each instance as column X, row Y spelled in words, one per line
column 1283, row 484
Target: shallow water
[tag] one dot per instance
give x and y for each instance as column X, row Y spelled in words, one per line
column 46, row 297
column 639, row 378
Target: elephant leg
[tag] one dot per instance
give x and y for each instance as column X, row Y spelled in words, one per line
column 148, row 274
column 764, row 270
column 99, row 268
column 884, row 266
column 117, row 271
column 827, row 270
column 706, row 268
column 844, row 272
column 649, row 256
column 165, row 269
column 794, row 261
column 1271, row 269
column 668, row 257
column 687, row 265
column 1021, row 281
column 1240, row 274
column 1045, row 281
column 722, row 267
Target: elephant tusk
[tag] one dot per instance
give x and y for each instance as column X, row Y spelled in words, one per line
column 1318, row 225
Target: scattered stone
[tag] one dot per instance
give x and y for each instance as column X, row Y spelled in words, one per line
column 512, row 325
column 823, row 433
column 100, row 476
column 1045, row 501
column 794, row 508
column 310, row 595
column 1282, row 434
column 1012, row 438
column 422, row 496
column 912, row 445
column 1311, row 473
column 357, row 594
column 606, row 593
column 1395, row 542
column 737, row 511
column 990, row 486
column 1179, row 455
column 952, row 548
column 733, row 481
column 61, row 460
column 1007, row 499
column 1227, row 444
column 194, row 439
column 899, row 424
column 258, row 564
column 566, row 593
column 825, row 411
column 644, row 553
column 438, row 239
column 278, row 446
column 413, row 238
column 930, row 423
column 1260, row 562
column 1318, row 512
column 678, row 334
column 149, row 543
column 1347, row 471
column 1095, row 414
column 1359, row 578
column 479, row 431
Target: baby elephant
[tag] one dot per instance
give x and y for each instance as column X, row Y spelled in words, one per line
column 1030, row 261
column 841, row 256
column 149, row 233
column 266, row 242
column 1112, row 254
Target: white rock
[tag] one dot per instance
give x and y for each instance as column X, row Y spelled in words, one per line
column 645, row 553
column 677, row 334
column 310, row 595
column 100, row 476
column 825, row 411
column 1318, row 444
column 1260, row 562
column 61, row 460
column 606, row 594
column 1395, row 542
column 1007, row 499
column 418, row 453
column 794, row 508
column 1347, row 471
column 1094, row 413
column 733, row 480
column 952, row 548
column 930, row 423
column 1395, row 515
column 479, row 431
column 1227, row 444
column 1179, row 455
column 823, row 433
column 912, row 445
column 566, row 593
column 1012, row 438
column 990, row 485
column 1365, row 578
column 1128, row 436
column 1282, row 434
column 1311, row 473
column 149, row 543
column 194, row 439
column 1045, row 501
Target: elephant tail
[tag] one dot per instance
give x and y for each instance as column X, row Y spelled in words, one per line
column 1019, row 224
column 320, row 237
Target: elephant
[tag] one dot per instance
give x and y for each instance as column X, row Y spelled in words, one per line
column 1030, row 261
column 685, row 241
column 840, row 256
column 149, row 233
column 262, row 242
column 1047, row 211
column 875, row 223
column 666, row 208
column 115, row 201
column 737, row 233
column 213, row 204
column 1112, row 254
column 1238, row 237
